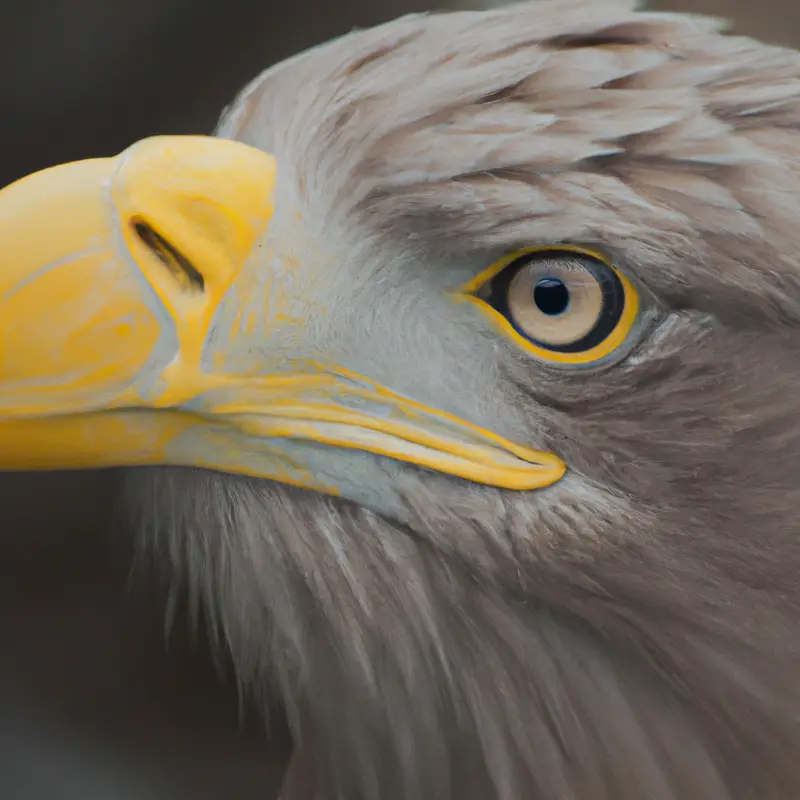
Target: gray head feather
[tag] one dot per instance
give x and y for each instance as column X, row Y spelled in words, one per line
column 633, row 631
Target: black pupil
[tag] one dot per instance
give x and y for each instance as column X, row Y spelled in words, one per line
column 551, row 296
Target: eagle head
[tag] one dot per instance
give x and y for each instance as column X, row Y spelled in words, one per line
column 456, row 378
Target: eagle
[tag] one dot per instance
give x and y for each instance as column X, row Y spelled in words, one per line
column 454, row 383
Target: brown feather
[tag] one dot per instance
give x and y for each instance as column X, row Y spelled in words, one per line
column 633, row 631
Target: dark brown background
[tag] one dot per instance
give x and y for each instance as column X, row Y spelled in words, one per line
column 92, row 704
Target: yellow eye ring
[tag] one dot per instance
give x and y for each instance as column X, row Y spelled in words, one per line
column 602, row 319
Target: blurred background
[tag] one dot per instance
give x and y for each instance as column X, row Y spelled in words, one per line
column 92, row 702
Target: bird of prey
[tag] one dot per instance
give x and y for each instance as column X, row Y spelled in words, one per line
column 455, row 376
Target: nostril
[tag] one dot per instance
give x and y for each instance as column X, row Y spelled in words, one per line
column 178, row 264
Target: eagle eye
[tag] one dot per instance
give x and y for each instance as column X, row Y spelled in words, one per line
column 564, row 305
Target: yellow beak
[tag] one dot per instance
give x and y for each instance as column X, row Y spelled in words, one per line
column 111, row 272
